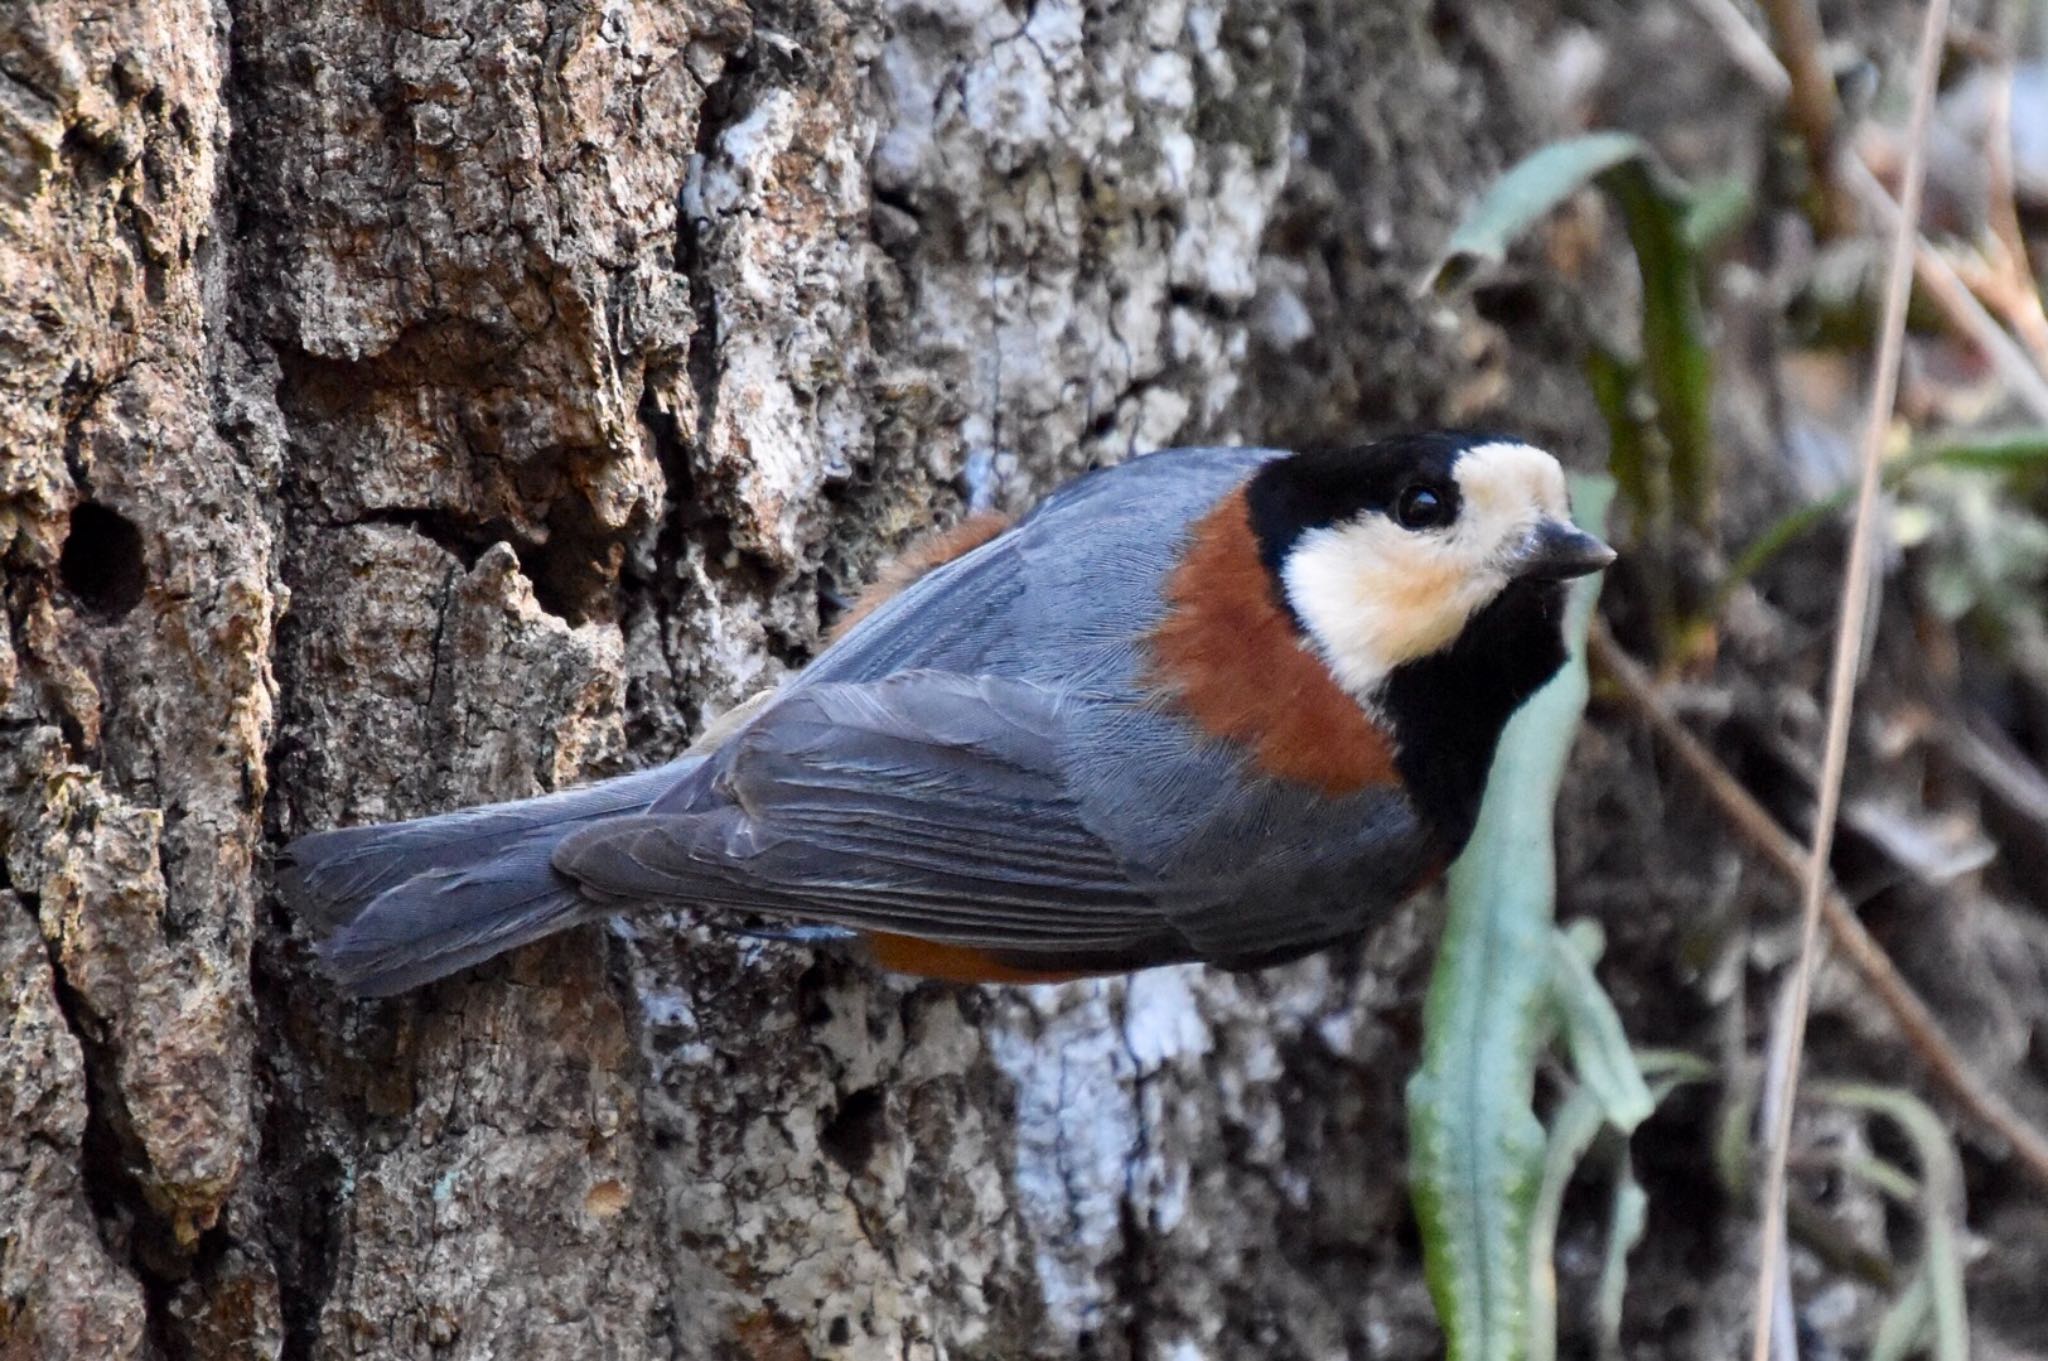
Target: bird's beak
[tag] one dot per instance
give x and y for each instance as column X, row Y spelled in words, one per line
column 1558, row 551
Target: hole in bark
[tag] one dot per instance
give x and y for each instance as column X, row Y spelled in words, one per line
column 101, row 564
column 572, row 577
column 840, row 1332
column 813, row 1008
column 850, row 1136
column 1509, row 304
column 833, row 604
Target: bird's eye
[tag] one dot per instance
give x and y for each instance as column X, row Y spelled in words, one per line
column 1419, row 507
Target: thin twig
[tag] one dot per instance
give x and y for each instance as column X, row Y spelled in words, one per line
column 1943, row 286
column 2001, row 770
column 1747, row 48
column 1993, row 280
column 1953, row 1074
column 1848, row 657
column 1797, row 39
column 1775, row 1319
column 2001, row 202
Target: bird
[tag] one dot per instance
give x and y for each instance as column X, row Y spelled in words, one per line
column 1229, row 705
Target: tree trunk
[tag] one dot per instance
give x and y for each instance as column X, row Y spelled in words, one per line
column 408, row 405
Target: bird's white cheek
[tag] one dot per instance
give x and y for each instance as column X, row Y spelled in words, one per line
column 1372, row 609
column 1422, row 610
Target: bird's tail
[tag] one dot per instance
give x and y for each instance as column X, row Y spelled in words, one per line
column 404, row 903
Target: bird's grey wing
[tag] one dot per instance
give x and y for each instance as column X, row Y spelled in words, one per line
column 1250, row 868
column 1062, row 597
column 926, row 803
column 1326, row 869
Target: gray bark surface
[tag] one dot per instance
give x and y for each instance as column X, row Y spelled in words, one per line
column 409, row 405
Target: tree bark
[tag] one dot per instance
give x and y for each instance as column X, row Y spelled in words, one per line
column 408, row 405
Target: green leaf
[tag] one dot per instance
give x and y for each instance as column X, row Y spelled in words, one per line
column 1666, row 226
column 1993, row 451
column 1614, row 380
column 1907, row 1327
column 1573, row 1127
column 1673, row 1068
column 1626, row 1219
column 1678, row 364
column 1716, row 210
column 1599, row 1048
column 2003, row 451
column 1525, row 194
column 1578, row 1120
column 1475, row 1147
column 1893, row 1181
column 1941, row 1213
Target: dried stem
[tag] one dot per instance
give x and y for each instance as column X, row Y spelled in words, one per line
column 2022, row 299
column 1972, row 1093
column 1810, row 106
column 1747, row 48
column 1943, row 286
column 1948, row 292
column 1848, row 656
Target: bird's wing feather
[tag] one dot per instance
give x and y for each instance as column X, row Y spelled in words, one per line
column 1059, row 598
column 927, row 802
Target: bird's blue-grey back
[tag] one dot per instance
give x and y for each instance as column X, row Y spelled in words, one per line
column 1064, row 597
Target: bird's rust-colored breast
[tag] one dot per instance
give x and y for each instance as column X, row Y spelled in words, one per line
column 1232, row 661
column 923, row 958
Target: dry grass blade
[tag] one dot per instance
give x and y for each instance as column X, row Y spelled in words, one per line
column 1948, row 292
column 1972, row 1093
column 1848, row 652
column 1747, row 48
column 2023, row 310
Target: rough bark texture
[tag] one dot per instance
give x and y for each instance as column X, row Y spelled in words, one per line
column 409, row 404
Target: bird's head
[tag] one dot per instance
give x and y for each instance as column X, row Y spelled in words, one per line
column 1401, row 551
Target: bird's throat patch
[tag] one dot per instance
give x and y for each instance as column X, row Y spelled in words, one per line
column 1230, row 659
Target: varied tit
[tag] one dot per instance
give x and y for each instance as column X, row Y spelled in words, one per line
column 1213, row 704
